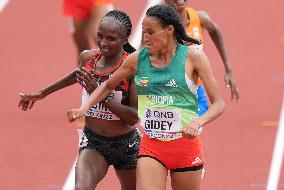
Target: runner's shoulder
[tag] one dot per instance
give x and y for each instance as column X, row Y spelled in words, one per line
column 86, row 55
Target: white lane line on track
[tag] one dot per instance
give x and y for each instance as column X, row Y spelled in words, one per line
column 70, row 181
column 137, row 35
column 277, row 156
column 3, row 4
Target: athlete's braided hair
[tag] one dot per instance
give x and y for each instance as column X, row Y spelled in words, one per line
column 166, row 15
column 126, row 25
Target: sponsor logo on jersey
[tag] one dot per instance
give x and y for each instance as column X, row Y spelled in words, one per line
column 171, row 83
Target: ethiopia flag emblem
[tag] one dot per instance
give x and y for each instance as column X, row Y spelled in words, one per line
column 143, row 82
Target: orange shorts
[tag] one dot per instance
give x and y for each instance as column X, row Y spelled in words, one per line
column 81, row 9
column 176, row 155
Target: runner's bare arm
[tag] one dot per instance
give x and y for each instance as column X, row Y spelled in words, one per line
column 216, row 35
column 127, row 113
column 27, row 100
column 201, row 66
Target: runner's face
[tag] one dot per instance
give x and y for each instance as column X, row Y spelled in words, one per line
column 155, row 36
column 110, row 38
column 179, row 5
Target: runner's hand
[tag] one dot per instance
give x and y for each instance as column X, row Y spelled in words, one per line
column 27, row 100
column 86, row 79
column 191, row 130
column 230, row 82
column 74, row 114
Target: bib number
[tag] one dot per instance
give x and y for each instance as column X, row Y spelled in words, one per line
column 99, row 110
column 162, row 123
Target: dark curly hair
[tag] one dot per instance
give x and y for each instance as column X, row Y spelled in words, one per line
column 166, row 15
column 126, row 25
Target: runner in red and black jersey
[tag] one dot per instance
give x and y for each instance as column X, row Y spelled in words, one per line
column 109, row 136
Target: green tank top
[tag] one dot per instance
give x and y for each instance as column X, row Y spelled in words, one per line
column 167, row 99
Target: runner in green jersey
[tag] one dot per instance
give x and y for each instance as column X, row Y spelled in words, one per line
column 165, row 95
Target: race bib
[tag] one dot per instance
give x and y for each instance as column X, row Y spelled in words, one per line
column 162, row 123
column 99, row 110
column 164, row 135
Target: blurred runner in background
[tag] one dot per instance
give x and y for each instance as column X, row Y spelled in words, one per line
column 84, row 19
